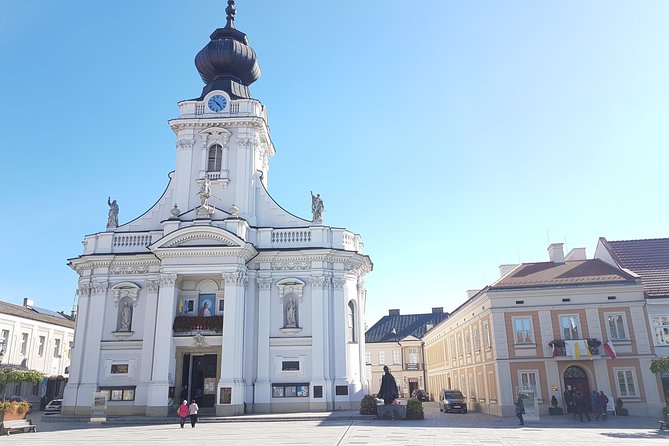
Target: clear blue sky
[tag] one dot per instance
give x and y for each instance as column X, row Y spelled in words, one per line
column 453, row 136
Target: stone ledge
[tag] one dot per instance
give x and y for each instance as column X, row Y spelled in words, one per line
column 391, row 411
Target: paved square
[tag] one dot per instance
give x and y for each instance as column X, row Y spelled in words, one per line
column 436, row 429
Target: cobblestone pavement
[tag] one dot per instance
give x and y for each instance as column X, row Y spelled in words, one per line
column 436, row 429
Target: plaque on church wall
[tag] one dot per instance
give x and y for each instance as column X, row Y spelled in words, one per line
column 226, row 395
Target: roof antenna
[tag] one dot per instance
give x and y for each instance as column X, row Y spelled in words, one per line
column 230, row 11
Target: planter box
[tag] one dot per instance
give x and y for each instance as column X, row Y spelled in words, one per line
column 12, row 416
column 391, row 411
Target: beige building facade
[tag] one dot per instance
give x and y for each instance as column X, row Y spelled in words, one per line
column 529, row 332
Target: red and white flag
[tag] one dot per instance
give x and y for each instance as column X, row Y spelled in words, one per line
column 610, row 350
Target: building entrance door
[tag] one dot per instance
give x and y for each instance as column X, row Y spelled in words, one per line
column 576, row 379
column 198, row 380
column 413, row 385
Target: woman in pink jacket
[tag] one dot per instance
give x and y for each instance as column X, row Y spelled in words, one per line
column 183, row 412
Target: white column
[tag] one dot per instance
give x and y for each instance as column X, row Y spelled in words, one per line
column 148, row 340
column 91, row 346
column 232, row 346
column 320, row 351
column 162, row 346
column 337, row 351
column 262, row 387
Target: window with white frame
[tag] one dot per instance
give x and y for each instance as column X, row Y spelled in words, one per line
column 40, row 348
column 460, row 345
column 477, row 339
column 56, row 348
column 368, row 357
column 396, row 357
column 615, row 323
column 661, row 330
column 522, row 330
column 530, row 378
column 413, row 356
column 468, row 343
column 4, row 341
column 214, row 158
column 382, row 358
column 486, row 335
column 626, row 379
column 569, row 326
column 24, row 343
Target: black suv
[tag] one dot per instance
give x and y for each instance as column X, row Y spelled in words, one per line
column 420, row 395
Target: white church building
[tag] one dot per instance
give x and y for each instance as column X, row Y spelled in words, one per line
column 216, row 293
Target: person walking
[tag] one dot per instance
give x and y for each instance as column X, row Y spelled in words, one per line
column 604, row 404
column 520, row 409
column 183, row 412
column 594, row 402
column 581, row 406
column 192, row 411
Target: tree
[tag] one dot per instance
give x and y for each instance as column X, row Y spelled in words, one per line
column 660, row 365
column 11, row 375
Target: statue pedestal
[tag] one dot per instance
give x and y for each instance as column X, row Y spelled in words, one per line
column 391, row 411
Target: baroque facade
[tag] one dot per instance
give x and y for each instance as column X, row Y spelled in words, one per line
column 216, row 293
column 544, row 329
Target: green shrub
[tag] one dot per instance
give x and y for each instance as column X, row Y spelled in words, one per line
column 414, row 410
column 368, row 405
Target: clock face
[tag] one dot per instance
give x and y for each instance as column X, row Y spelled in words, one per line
column 217, row 103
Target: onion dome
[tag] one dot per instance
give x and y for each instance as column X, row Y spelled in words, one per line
column 227, row 62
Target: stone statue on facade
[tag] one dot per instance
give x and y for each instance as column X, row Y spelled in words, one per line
column 205, row 193
column 126, row 317
column 112, row 220
column 317, row 208
column 291, row 313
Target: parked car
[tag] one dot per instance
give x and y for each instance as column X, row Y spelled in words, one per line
column 18, row 399
column 53, row 407
column 420, row 395
column 452, row 401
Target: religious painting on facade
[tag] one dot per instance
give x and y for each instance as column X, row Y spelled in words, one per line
column 206, row 305
column 210, row 386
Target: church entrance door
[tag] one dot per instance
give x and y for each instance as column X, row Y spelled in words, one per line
column 199, row 379
column 576, row 379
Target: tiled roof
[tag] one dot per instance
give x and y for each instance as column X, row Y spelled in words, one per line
column 398, row 327
column 649, row 258
column 35, row 315
column 576, row 272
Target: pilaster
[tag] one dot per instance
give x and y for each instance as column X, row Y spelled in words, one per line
column 262, row 384
column 232, row 350
column 321, row 347
column 148, row 337
column 162, row 346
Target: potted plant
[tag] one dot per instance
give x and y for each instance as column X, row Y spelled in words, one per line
column 368, row 405
column 414, row 410
column 10, row 410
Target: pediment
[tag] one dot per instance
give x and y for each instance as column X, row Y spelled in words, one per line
column 199, row 237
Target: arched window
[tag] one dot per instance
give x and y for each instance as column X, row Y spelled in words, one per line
column 350, row 322
column 214, row 158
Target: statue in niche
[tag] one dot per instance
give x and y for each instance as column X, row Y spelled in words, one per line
column 126, row 317
column 317, row 207
column 112, row 220
column 291, row 313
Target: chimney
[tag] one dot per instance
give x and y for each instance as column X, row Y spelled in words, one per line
column 556, row 252
column 28, row 302
column 437, row 310
column 576, row 254
column 394, row 312
column 506, row 269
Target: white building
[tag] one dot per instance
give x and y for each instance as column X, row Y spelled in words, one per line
column 216, row 292
column 37, row 339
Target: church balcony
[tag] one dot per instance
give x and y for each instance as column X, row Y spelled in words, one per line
column 236, row 108
column 412, row 366
column 190, row 325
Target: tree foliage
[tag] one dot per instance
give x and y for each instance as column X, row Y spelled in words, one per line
column 10, row 375
column 660, row 365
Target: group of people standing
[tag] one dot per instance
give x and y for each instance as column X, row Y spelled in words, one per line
column 580, row 405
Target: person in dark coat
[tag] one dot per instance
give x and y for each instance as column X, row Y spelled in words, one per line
column 520, row 409
column 581, row 406
column 388, row 392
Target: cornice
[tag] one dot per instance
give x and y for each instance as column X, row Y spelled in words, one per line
column 353, row 263
column 199, row 124
column 244, row 252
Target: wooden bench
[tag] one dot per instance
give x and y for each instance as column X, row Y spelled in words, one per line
column 17, row 425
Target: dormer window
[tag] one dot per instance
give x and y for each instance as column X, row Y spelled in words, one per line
column 214, row 158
